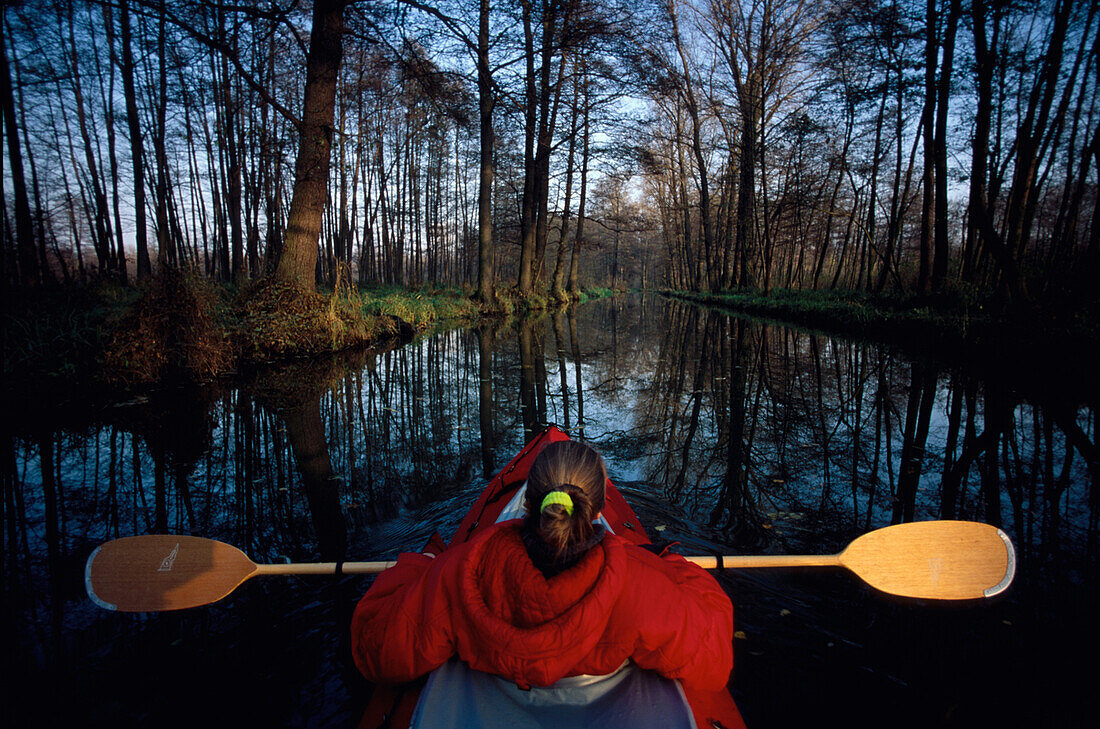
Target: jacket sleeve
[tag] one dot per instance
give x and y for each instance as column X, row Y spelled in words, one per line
column 400, row 629
column 685, row 623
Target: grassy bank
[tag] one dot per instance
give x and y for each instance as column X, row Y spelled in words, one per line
column 965, row 325
column 67, row 343
column 851, row 312
column 64, row 343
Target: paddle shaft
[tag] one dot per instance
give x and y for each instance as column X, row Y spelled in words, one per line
column 707, row 562
column 766, row 560
column 323, row 568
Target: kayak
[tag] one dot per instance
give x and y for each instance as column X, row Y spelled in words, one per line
column 450, row 688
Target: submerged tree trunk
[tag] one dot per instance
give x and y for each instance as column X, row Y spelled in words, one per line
column 918, row 414
column 305, row 429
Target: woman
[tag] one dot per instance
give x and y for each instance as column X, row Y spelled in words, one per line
column 551, row 596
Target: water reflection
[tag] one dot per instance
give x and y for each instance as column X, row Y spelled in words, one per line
column 728, row 434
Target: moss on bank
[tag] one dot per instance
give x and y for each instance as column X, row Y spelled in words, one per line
column 278, row 320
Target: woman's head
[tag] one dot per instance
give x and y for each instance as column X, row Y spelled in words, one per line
column 576, row 470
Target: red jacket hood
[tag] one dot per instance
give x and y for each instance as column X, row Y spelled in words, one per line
column 537, row 621
column 486, row 602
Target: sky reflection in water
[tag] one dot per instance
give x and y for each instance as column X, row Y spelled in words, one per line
column 727, row 435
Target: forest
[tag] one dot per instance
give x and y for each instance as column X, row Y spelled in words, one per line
column 172, row 169
column 885, row 146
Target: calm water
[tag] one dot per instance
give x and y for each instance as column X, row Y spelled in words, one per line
column 726, row 434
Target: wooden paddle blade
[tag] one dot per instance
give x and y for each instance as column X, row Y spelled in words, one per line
column 163, row 572
column 936, row 560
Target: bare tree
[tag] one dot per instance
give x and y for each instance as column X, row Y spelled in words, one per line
column 298, row 259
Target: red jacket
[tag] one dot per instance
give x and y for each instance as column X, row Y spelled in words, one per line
column 486, row 602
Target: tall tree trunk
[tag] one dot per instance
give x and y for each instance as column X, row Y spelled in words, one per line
column 298, row 259
column 700, row 161
column 1026, row 186
column 486, row 102
column 36, row 190
column 559, row 265
column 899, row 192
column 872, row 205
column 927, row 222
column 233, row 192
column 578, row 237
column 549, row 101
column 687, row 238
column 983, row 118
column 746, row 196
column 527, row 204
column 100, row 215
column 942, row 247
column 166, row 250
column 118, row 254
column 133, row 124
column 27, row 261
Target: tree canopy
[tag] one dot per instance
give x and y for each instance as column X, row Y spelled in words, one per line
column 878, row 145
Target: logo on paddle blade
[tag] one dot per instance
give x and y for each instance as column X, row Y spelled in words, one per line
column 935, row 567
column 166, row 563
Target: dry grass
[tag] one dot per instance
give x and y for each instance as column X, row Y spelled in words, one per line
column 172, row 332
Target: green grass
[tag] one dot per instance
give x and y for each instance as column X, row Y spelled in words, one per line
column 418, row 308
column 595, row 292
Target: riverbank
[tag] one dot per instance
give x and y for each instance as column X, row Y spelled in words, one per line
column 63, row 344
column 1058, row 336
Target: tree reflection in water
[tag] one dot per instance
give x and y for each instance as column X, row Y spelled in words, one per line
column 728, row 435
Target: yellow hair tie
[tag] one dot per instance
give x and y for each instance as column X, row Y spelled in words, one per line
column 560, row 498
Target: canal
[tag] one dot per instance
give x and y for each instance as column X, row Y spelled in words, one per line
column 726, row 434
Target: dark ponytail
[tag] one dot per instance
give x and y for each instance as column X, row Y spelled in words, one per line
column 575, row 469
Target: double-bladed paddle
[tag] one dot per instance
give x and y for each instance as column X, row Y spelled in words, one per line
column 931, row 560
column 934, row 560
